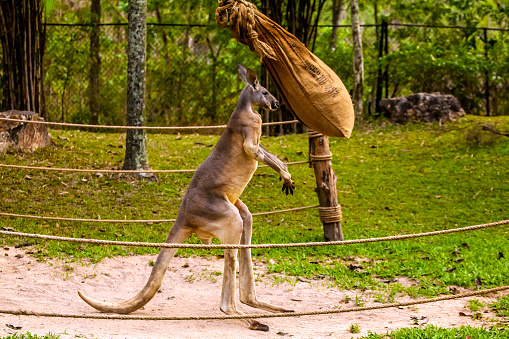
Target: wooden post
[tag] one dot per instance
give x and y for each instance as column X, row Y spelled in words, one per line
column 329, row 210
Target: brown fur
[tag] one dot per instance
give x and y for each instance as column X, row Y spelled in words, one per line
column 212, row 208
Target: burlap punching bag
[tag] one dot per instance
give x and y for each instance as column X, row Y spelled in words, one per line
column 311, row 90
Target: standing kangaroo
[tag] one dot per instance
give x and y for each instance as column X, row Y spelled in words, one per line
column 212, row 208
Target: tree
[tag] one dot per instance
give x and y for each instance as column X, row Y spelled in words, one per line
column 358, row 60
column 22, row 37
column 95, row 62
column 136, row 149
column 338, row 13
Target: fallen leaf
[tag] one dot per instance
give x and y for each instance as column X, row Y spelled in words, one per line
column 27, row 177
column 303, row 279
column 450, row 269
column 12, row 327
column 10, row 229
column 462, row 314
column 467, row 246
column 63, row 138
column 99, row 175
column 354, row 266
column 23, row 245
column 500, row 255
column 438, row 196
column 388, row 281
column 478, row 282
column 284, row 334
column 84, row 180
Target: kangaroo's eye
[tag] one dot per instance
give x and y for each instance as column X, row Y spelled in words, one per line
column 265, row 93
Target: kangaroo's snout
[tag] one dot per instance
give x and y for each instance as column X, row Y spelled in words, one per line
column 274, row 104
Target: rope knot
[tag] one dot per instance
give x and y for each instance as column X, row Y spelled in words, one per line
column 240, row 16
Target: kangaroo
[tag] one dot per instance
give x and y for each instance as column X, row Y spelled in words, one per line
column 212, row 208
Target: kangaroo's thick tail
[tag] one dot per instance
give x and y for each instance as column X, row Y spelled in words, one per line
column 177, row 235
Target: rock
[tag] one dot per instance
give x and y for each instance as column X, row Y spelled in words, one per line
column 21, row 136
column 422, row 107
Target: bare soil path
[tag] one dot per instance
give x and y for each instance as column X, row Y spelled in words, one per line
column 192, row 286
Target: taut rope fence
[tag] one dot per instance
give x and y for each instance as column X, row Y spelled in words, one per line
column 230, row 246
column 171, row 128
column 330, row 214
column 118, row 221
column 252, row 316
column 91, row 170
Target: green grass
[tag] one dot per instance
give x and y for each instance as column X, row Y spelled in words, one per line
column 501, row 307
column 464, row 332
column 391, row 180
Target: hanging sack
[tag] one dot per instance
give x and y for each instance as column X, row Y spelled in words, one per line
column 310, row 89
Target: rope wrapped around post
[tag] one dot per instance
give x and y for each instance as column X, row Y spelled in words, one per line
column 313, row 134
column 325, row 157
column 330, row 214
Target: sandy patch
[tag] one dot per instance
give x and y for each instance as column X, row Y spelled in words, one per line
column 191, row 287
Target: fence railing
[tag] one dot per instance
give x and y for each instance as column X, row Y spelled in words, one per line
column 186, row 83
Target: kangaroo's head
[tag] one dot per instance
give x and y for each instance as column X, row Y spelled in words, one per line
column 258, row 95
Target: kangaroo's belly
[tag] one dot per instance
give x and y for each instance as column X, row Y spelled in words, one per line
column 237, row 180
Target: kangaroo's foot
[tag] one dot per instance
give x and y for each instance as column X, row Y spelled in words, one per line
column 254, row 302
column 251, row 323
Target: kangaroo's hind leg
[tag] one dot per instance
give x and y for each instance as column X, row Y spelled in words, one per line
column 221, row 219
column 247, row 292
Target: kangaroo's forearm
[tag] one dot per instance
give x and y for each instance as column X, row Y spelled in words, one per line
column 273, row 162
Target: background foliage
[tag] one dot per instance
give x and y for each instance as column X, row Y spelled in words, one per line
column 191, row 71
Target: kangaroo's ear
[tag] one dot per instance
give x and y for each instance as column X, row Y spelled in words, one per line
column 252, row 79
column 243, row 73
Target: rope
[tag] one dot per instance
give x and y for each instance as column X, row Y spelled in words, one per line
column 325, row 157
column 241, row 16
column 173, row 128
column 231, row 246
column 312, row 134
column 252, row 316
column 90, row 170
column 134, row 221
column 330, row 214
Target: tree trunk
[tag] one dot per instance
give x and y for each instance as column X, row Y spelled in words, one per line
column 95, row 63
column 136, row 151
column 22, row 37
column 337, row 17
column 358, row 61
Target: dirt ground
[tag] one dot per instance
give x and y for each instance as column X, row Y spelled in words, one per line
column 192, row 286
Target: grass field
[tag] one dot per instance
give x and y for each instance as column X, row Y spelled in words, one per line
column 391, row 180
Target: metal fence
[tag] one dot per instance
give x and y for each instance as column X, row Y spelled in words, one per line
column 191, row 69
